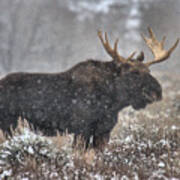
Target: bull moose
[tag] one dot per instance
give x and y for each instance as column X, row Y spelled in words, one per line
column 84, row 100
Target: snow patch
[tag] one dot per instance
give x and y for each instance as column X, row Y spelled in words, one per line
column 6, row 174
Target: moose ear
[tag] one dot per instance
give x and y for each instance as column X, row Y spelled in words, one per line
column 140, row 57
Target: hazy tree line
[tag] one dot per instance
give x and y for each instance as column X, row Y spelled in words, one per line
column 29, row 34
column 43, row 35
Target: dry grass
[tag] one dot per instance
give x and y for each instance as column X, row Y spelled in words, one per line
column 2, row 137
column 144, row 150
column 62, row 141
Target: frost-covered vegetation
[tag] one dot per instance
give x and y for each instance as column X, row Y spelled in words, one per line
column 144, row 145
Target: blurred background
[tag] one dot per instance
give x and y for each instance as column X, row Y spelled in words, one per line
column 54, row 35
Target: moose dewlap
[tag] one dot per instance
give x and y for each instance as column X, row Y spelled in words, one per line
column 84, row 100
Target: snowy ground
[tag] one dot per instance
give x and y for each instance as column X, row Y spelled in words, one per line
column 144, row 145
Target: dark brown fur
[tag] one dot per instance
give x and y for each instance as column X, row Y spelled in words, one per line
column 84, row 100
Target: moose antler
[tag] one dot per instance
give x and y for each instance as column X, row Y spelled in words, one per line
column 113, row 52
column 157, row 48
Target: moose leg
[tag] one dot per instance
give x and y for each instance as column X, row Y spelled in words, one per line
column 103, row 130
column 99, row 141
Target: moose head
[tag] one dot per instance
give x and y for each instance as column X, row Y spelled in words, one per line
column 134, row 75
